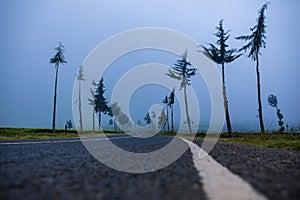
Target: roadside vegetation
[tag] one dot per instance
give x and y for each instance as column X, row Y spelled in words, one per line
column 272, row 140
column 288, row 140
column 35, row 133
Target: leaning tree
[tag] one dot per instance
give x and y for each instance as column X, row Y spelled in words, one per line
column 183, row 71
column 256, row 42
column 221, row 55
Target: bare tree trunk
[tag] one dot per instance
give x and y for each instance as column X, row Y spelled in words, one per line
column 55, row 94
column 260, row 115
column 79, row 106
column 168, row 125
column 172, row 120
column 228, row 123
column 93, row 119
column 187, row 110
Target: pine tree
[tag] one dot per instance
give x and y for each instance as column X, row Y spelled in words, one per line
column 101, row 103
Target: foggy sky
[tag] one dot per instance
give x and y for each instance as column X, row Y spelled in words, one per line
column 30, row 30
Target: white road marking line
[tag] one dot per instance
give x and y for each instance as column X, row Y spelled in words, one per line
column 218, row 181
column 62, row 141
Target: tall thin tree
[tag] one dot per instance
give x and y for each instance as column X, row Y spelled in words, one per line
column 147, row 118
column 183, row 71
column 171, row 105
column 115, row 110
column 166, row 102
column 92, row 102
column 256, row 42
column 57, row 59
column 153, row 116
column 162, row 119
column 80, row 77
column 221, row 55
column 101, row 103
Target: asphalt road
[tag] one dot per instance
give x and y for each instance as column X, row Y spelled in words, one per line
column 65, row 169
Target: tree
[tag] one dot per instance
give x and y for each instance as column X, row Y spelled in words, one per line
column 80, row 77
column 183, row 71
column 111, row 122
column 101, row 103
column 123, row 120
column 221, row 55
column 166, row 101
column 170, row 104
column 147, row 118
column 92, row 102
column 153, row 116
column 69, row 124
column 256, row 42
column 272, row 101
column 162, row 119
column 57, row 59
column 115, row 111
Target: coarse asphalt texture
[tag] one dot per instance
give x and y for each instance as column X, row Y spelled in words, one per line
column 64, row 169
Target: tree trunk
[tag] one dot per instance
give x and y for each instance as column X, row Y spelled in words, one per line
column 168, row 125
column 172, row 120
column 99, row 120
column 79, row 106
column 55, row 94
column 187, row 110
column 228, row 123
column 93, row 119
column 260, row 115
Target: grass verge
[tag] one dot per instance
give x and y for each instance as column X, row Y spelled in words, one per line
column 34, row 133
column 272, row 140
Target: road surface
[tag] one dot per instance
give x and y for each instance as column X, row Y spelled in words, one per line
column 64, row 169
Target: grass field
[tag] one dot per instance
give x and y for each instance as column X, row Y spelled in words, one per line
column 34, row 133
column 273, row 140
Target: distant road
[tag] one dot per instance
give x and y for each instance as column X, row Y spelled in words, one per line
column 64, row 169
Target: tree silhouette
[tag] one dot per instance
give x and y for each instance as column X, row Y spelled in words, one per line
column 221, row 55
column 153, row 116
column 80, row 77
column 166, row 101
column 101, row 103
column 147, row 118
column 256, row 42
column 92, row 102
column 272, row 101
column 115, row 110
column 57, row 59
column 170, row 104
column 183, row 71
column 111, row 122
column 124, row 121
column 69, row 124
column 162, row 119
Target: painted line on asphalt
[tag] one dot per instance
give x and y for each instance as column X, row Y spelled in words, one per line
column 62, row 141
column 218, row 181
